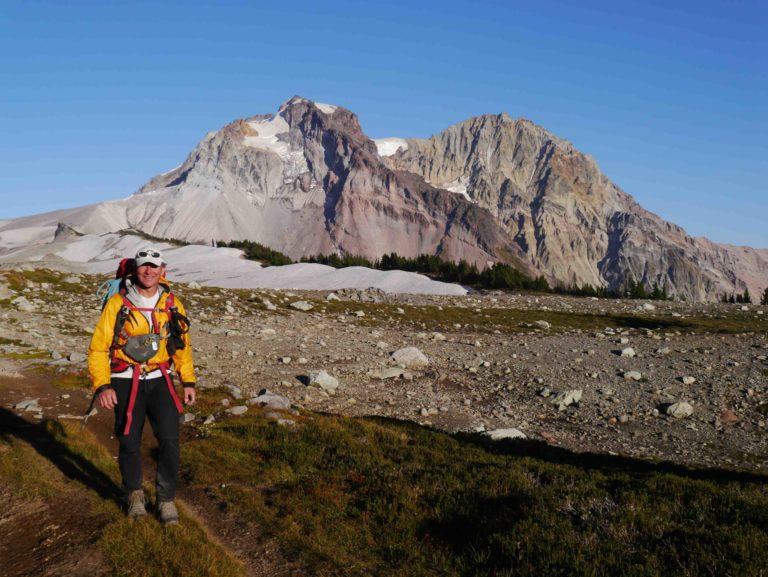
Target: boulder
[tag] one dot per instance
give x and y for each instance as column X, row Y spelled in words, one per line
column 270, row 400
column 323, row 380
column 267, row 334
column 28, row 405
column 386, row 373
column 498, row 434
column 566, row 398
column 728, row 417
column 268, row 304
column 5, row 291
column 236, row 392
column 679, row 410
column 23, row 304
column 301, row 306
column 410, row 358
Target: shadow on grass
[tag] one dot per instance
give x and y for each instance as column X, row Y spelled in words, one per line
column 71, row 464
column 654, row 323
column 591, row 461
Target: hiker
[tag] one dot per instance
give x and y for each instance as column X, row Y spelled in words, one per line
column 141, row 332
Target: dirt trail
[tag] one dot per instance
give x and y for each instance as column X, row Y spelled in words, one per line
column 60, row 537
column 44, row 537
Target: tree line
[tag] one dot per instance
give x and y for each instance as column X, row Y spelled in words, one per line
column 499, row 275
column 496, row 276
column 744, row 298
column 631, row 290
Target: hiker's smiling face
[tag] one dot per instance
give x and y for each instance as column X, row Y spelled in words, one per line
column 149, row 275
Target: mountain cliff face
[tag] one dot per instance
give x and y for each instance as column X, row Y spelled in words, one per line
column 571, row 222
column 307, row 180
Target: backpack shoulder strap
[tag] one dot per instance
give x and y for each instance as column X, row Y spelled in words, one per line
column 170, row 302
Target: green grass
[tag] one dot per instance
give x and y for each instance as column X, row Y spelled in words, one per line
column 56, row 463
column 17, row 281
column 64, row 377
column 422, row 317
column 26, row 356
column 371, row 497
column 14, row 342
column 505, row 320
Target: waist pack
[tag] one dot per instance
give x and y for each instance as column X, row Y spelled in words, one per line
column 141, row 348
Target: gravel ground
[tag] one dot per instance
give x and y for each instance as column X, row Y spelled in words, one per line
column 483, row 374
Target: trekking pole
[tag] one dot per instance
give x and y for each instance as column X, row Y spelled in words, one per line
column 88, row 413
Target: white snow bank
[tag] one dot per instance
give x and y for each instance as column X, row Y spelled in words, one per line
column 220, row 267
column 389, row 146
column 20, row 237
column 310, row 276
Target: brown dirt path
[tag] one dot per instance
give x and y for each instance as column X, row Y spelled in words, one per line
column 60, row 538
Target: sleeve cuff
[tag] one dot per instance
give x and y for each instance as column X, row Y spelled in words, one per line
column 188, row 385
column 103, row 388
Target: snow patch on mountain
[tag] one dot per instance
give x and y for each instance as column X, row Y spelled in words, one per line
column 20, row 237
column 389, row 146
column 326, row 108
column 459, row 186
column 268, row 131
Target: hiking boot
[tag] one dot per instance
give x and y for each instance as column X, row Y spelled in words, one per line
column 168, row 513
column 136, row 504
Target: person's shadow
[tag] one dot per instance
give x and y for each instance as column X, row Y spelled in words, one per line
column 70, row 464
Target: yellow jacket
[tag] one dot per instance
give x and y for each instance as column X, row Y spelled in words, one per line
column 99, row 350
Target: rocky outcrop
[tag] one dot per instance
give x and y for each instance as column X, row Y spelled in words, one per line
column 570, row 221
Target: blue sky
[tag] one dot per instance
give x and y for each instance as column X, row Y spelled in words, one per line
column 670, row 98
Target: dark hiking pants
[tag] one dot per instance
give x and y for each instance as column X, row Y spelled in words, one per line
column 153, row 401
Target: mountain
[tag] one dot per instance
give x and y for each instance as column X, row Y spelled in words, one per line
column 568, row 218
column 307, row 180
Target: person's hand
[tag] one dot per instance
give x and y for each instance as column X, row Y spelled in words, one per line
column 190, row 396
column 108, row 399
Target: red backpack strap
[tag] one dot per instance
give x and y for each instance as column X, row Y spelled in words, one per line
column 169, row 303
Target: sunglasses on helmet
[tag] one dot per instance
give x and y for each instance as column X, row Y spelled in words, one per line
column 150, row 253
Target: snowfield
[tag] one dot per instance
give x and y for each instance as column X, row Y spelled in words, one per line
column 207, row 265
column 389, row 146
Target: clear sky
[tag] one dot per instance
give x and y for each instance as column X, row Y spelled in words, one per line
column 670, row 97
